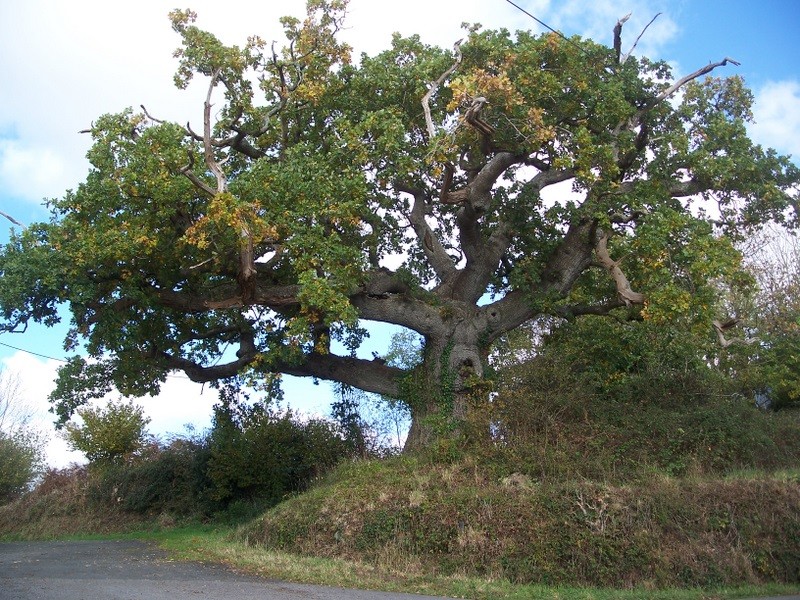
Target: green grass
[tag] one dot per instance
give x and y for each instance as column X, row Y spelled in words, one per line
column 208, row 543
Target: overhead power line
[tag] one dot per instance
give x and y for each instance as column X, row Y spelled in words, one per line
column 545, row 25
column 33, row 353
column 61, row 360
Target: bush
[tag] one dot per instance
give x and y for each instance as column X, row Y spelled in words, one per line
column 160, row 479
column 551, row 422
column 256, row 453
column 21, row 444
column 110, row 433
column 20, row 462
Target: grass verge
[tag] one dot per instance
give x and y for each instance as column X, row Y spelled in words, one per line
column 219, row 545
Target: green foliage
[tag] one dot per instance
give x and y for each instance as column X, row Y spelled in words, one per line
column 21, row 460
column 258, row 453
column 772, row 365
column 275, row 229
column 108, row 434
column 630, row 407
column 463, row 519
column 168, row 479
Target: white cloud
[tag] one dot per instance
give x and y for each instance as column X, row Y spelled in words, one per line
column 777, row 117
column 37, row 379
column 32, row 173
column 596, row 20
column 181, row 402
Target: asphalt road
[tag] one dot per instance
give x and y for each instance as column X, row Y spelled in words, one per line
column 132, row 570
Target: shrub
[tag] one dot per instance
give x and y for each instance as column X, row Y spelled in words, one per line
column 21, row 444
column 108, row 434
column 551, row 422
column 160, row 479
column 20, row 462
column 257, row 453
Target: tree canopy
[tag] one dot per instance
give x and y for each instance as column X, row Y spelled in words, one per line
column 457, row 192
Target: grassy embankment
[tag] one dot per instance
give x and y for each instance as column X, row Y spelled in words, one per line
column 595, row 512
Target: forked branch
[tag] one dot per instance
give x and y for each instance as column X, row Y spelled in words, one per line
column 721, row 327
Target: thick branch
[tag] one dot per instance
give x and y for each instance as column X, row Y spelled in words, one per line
column 479, row 190
column 437, row 256
column 398, row 309
column 369, row 375
column 246, row 355
column 564, row 266
column 272, row 297
column 601, row 310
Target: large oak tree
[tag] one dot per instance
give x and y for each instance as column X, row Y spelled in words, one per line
column 457, row 193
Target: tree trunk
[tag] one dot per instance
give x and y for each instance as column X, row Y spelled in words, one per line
column 442, row 393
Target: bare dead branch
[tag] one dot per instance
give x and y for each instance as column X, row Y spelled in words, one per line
column 618, row 35
column 199, row 183
column 208, row 147
column 10, row 218
column 149, row 116
column 723, row 326
column 473, row 117
column 684, row 80
column 435, row 86
column 627, row 55
column 195, row 136
column 624, row 291
column 200, row 264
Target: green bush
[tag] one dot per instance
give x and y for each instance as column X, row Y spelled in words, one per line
column 256, row 453
column 20, row 462
column 250, row 459
column 108, row 433
column 168, row 479
column 21, row 444
column 552, row 422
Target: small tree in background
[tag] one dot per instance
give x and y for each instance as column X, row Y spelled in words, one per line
column 108, row 433
column 778, row 320
column 21, row 444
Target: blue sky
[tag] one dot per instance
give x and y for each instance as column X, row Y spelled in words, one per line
column 63, row 64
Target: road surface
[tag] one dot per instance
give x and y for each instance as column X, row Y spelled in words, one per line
column 132, row 570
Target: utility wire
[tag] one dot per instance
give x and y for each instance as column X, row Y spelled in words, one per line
column 33, row 353
column 543, row 24
column 61, row 360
